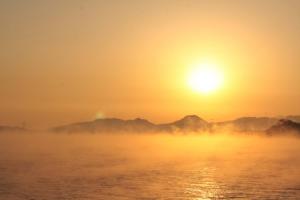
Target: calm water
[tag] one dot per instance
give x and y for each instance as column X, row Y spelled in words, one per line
column 44, row 167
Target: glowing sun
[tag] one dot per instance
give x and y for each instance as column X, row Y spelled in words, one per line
column 205, row 78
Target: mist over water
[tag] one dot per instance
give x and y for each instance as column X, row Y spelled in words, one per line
column 144, row 166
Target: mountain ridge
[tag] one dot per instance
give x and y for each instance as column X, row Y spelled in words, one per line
column 189, row 123
column 284, row 126
column 4, row 128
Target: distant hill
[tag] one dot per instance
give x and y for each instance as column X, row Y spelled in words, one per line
column 295, row 118
column 11, row 129
column 284, row 126
column 189, row 123
column 108, row 125
column 246, row 124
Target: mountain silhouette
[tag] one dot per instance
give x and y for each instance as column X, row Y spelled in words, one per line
column 284, row 126
column 294, row 118
column 189, row 123
column 246, row 124
column 12, row 129
column 108, row 125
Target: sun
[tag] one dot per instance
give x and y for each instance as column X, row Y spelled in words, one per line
column 205, row 78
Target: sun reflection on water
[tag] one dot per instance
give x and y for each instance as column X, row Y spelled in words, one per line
column 204, row 186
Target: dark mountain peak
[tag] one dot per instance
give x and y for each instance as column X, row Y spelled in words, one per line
column 191, row 117
column 284, row 126
column 141, row 120
column 190, row 123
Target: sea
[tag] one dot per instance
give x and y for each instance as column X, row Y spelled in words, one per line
column 47, row 166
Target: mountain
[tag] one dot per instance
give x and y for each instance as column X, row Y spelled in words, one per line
column 295, row 118
column 188, row 123
column 246, row 124
column 108, row 125
column 284, row 126
column 191, row 123
column 11, row 129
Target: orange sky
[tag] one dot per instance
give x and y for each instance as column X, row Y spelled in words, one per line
column 65, row 61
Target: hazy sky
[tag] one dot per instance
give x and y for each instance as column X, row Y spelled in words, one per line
column 67, row 60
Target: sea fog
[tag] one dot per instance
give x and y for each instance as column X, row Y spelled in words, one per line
column 148, row 166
